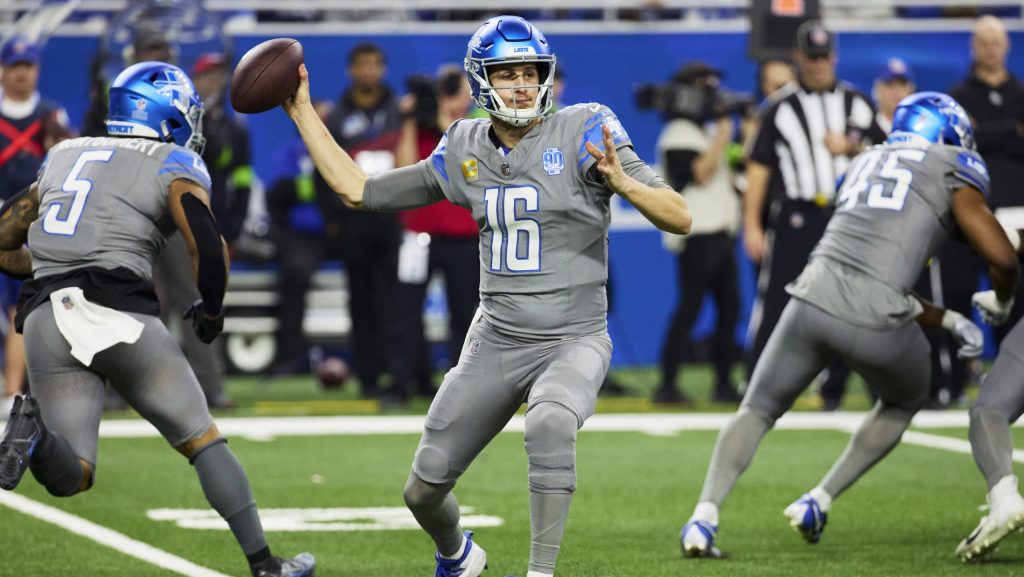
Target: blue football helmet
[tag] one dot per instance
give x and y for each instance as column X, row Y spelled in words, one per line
column 156, row 100
column 509, row 40
column 932, row 117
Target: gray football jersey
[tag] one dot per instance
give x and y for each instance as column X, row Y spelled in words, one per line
column 893, row 212
column 103, row 203
column 543, row 223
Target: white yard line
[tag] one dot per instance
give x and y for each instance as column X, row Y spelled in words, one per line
column 104, row 536
column 265, row 428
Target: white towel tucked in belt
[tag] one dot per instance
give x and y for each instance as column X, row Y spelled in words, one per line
column 88, row 327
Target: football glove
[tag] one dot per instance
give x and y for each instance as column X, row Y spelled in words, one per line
column 966, row 334
column 993, row 311
column 204, row 326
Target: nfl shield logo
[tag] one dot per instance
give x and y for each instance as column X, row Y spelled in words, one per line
column 474, row 346
column 554, row 161
column 66, row 301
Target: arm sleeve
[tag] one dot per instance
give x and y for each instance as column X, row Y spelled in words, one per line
column 968, row 169
column 401, row 189
column 212, row 277
column 639, row 170
column 599, row 115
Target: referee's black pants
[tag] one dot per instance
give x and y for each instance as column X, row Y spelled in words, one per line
column 795, row 227
column 707, row 263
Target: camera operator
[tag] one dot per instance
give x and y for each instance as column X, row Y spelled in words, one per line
column 441, row 238
column 693, row 151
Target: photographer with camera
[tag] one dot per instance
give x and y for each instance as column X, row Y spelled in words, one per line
column 440, row 237
column 694, row 151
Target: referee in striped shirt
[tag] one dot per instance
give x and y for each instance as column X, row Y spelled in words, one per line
column 808, row 134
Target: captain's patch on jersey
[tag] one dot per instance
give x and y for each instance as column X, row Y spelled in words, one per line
column 554, row 161
column 470, row 172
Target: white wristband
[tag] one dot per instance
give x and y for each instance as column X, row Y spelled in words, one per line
column 949, row 319
column 1014, row 236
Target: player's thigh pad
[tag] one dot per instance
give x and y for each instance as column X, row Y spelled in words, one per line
column 896, row 363
column 794, row 355
column 154, row 377
column 70, row 395
column 573, row 375
column 474, row 403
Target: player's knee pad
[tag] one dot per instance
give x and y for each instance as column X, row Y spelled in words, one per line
column 194, row 447
column 551, row 448
column 432, row 464
column 419, row 493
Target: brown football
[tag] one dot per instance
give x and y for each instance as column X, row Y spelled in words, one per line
column 266, row 76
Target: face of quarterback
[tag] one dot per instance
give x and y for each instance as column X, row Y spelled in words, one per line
column 516, row 84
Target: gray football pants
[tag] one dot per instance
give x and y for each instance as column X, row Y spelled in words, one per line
column 1000, row 404
column 154, row 378
column 894, row 362
column 558, row 381
column 172, row 276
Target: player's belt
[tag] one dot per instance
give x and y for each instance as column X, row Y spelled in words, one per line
column 20, row 140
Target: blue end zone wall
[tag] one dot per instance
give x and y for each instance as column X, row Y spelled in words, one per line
column 598, row 67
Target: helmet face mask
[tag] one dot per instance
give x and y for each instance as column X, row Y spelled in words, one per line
column 932, row 117
column 509, row 40
column 156, row 100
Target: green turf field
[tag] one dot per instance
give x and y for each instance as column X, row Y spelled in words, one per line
column 635, row 491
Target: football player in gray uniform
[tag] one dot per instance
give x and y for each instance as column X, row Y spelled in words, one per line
column 98, row 215
column 999, row 404
column 899, row 202
column 539, row 187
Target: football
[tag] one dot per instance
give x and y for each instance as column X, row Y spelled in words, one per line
column 266, row 75
column 332, row 373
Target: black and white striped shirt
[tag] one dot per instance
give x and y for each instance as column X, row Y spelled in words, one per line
column 792, row 137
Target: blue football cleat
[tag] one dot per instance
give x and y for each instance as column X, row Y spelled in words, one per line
column 807, row 518
column 22, row 434
column 471, row 564
column 698, row 540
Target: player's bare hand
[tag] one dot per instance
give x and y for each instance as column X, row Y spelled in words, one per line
column 837, row 144
column 301, row 96
column 753, row 242
column 608, row 161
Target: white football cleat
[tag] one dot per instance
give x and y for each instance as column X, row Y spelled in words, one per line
column 1001, row 520
column 471, row 563
column 807, row 518
column 698, row 539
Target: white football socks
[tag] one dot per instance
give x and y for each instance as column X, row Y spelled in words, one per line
column 458, row 552
column 706, row 511
column 824, row 499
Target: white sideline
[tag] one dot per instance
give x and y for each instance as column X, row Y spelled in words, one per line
column 104, row 536
column 265, row 428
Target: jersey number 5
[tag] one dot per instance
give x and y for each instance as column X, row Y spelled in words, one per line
column 80, row 187
column 514, row 239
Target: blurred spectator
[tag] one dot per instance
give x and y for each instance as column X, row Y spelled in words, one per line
column 147, row 44
column 693, row 155
column 441, row 238
column 227, row 158
column 227, row 147
column 366, row 123
column 894, row 83
column 995, row 100
column 29, row 126
column 303, row 244
column 772, row 75
column 808, row 134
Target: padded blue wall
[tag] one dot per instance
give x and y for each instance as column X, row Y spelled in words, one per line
column 598, row 67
